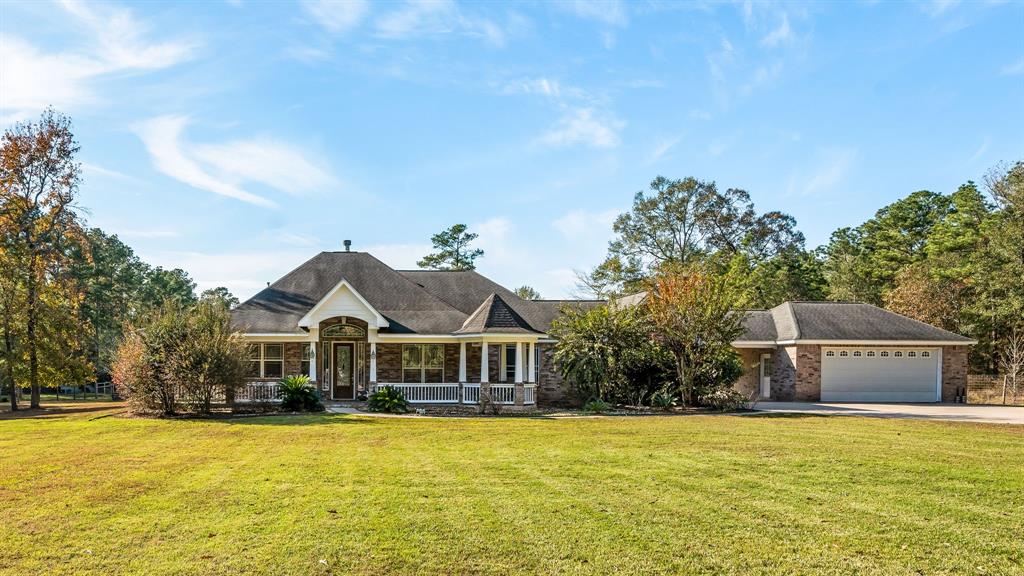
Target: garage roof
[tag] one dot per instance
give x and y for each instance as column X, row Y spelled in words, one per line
column 839, row 322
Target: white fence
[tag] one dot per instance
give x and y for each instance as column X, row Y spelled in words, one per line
column 428, row 393
column 449, row 393
column 470, row 393
column 259, row 392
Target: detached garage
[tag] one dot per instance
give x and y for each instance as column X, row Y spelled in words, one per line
column 848, row 352
column 881, row 375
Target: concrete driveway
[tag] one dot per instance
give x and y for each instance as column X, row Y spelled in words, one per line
column 955, row 412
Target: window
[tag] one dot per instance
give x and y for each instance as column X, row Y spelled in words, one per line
column 897, row 354
column 871, row 354
column 926, row 354
column 883, row 354
column 856, row 354
column 423, row 363
column 830, row 353
column 844, row 354
column 273, row 360
column 266, row 361
column 304, row 365
column 911, row 354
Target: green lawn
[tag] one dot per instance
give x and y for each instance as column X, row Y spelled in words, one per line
column 340, row 494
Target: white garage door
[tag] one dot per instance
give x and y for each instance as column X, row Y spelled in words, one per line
column 879, row 375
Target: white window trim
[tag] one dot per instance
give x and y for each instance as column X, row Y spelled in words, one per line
column 262, row 359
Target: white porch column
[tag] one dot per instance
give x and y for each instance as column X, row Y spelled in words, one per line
column 373, row 362
column 484, row 378
column 532, row 364
column 313, row 360
column 519, row 362
column 462, row 361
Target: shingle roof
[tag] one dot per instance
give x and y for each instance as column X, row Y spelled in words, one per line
column 839, row 321
column 759, row 326
column 495, row 316
column 413, row 301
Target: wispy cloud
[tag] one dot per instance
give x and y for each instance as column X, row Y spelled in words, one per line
column 97, row 170
column 583, row 126
column 336, row 16
column 542, row 86
column 980, row 152
column 610, row 12
column 31, row 79
column 418, row 18
column 225, row 167
column 830, row 170
column 661, row 148
column 781, row 34
column 936, row 8
column 1014, row 69
column 581, row 224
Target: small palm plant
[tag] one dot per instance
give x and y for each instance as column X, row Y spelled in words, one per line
column 388, row 399
column 298, row 395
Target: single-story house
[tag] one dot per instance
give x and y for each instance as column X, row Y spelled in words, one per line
column 352, row 323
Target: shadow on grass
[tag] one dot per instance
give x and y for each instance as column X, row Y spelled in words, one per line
column 785, row 415
column 53, row 412
column 271, row 419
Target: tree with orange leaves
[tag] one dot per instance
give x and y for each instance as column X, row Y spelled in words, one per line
column 693, row 313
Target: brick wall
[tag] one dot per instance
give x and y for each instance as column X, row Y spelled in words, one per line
column 292, row 358
column 552, row 389
column 784, row 374
column 954, row 371
column 451, row 363
column 389, row 363
column 750, row 382
column 807, row 386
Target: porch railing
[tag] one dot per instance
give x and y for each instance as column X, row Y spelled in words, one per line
column 259, row 392
column 470, row 393
column 428, row 393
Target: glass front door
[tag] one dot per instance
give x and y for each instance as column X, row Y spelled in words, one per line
column 344, row 381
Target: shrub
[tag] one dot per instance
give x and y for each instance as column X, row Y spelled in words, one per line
column 210, row 362
column 597, row 406
column 663, row 399
column 388, row 399
column 299, row 395
column 608, row 352
column 724, row 399
column 180, row 355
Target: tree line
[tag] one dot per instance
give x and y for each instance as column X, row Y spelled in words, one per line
column 67, row 290
column 952, row 260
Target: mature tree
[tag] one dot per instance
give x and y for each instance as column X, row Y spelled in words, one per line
column 162, row 286
column 680, row 222
column 38, row 183
column 527, row 293
column 1011, row 362
column 453, row 251
column 607, row 352
column 220, row 296
column 921, row 294
column 693, row 312
column 112, row 277
column 11, row 320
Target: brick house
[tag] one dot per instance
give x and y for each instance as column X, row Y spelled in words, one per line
column 352, row 323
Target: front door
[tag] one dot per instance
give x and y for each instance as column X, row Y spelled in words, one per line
column 766, row 375
column 344, row 382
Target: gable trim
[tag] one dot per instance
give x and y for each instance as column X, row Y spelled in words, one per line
column 304, row 322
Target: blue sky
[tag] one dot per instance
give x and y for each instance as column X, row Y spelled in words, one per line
column 237, row 139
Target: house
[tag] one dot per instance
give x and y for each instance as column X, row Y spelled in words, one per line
column 848, row 352
column 352, row 323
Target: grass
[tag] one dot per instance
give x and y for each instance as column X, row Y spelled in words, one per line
column 331, row 494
